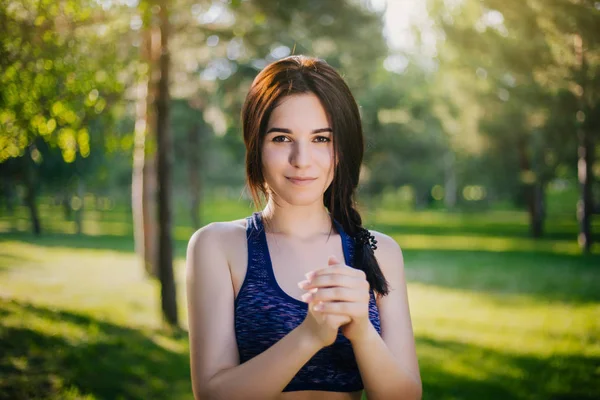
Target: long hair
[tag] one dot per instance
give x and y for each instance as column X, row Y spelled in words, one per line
column 300, row 75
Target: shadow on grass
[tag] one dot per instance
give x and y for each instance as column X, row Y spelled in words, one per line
column 551, row 277
column 108, row 361
column 454, row 370
column 65, row 353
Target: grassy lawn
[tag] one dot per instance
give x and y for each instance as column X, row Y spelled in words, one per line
column 496, row 314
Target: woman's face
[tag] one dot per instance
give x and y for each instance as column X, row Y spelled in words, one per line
column 297, row 152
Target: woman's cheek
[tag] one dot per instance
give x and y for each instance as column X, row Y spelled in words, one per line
column 270, row 156
column 326, row 157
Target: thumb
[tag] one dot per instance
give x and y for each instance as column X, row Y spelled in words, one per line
column 332, row 260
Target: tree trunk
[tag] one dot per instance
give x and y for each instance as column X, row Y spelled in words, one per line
column 7, row 184
column 539, row 186
column 30, row 194
column 585, row 151
column 149, row 206
column 79, row 211
column 530, row 183
column 143, row 188
column 6, row 193
column 194, row 176
column 422, row 198
column 539, row 209
column 585, row 205
column 66, row 202
column 450, row 180
column 164, row 151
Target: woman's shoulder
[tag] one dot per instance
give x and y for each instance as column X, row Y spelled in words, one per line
column 222, row 227
column 218, row 235
column 391, row 261
column 388, row 251
column 385, row 242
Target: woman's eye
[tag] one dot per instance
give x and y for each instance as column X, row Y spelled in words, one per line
column 280, row 139
column 318, row 139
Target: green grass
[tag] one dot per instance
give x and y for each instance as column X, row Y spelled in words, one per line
column 496, row 315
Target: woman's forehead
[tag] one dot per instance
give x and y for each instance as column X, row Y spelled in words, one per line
column 301, row 111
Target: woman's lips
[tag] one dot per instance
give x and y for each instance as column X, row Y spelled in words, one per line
column 301, row 181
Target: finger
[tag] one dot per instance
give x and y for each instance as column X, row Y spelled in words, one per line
column 337, row 269
column 336, row 294
column 332, row 260
column 330, row 294
column 333, row 269
column 332, row 280
column 328, row 280
column 350, row 309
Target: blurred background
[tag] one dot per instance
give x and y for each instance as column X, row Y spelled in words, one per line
column 120, row 136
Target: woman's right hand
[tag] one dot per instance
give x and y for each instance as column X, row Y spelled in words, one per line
column 322, row 327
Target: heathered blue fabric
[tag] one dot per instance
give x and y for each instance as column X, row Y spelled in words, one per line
column 264, row 314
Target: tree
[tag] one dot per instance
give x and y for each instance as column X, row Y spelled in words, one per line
column 56, row 81
column 404, row 136
column 163, row 163
column 152, row 156
column 144, row 181
column 192, row 141
column 523, row 83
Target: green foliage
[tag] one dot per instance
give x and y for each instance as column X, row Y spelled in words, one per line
column 406, row 143
column 519, row 76
column 77, row 61
column 58, row 72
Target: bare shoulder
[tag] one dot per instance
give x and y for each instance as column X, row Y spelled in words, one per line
column 218, row 230
column 218, row 236
column 390, row 258
column 387, row 248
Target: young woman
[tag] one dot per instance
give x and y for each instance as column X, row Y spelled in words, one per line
column 299, row 301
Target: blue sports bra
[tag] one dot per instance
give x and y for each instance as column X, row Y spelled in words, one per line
column 264, row 314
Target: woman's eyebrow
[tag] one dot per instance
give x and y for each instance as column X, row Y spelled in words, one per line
column 285, row 130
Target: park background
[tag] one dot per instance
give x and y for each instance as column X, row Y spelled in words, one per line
column 120, row 136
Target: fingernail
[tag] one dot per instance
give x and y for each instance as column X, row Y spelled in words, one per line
column 319, row 307
column 306, row 297
column 310, row 275
column 303, row 284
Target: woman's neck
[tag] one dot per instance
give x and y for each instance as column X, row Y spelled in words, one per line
column 298, row 221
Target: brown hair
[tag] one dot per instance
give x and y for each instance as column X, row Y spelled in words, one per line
column 298, row 75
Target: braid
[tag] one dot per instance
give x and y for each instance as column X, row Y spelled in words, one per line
column 364, row 256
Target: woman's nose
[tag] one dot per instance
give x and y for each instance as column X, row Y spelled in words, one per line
column 300, row 156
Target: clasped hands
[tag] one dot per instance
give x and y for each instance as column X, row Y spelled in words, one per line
column 341, row 290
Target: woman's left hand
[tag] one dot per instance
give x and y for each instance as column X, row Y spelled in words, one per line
column 343, row 290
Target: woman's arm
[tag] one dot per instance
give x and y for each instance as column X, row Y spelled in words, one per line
column 216, row 372
column 388, row 363
column 266, row 375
